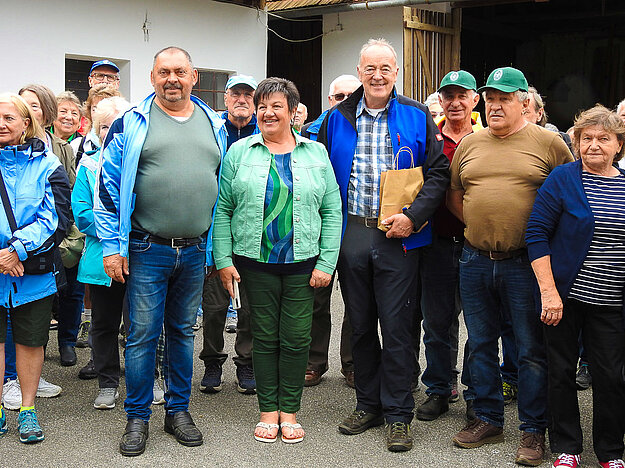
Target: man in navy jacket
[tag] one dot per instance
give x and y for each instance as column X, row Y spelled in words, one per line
column 378, row 271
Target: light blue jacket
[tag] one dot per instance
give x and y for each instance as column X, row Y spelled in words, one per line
column 114, row 193
column 316, row 203
column 91, row 267
column 37, row 187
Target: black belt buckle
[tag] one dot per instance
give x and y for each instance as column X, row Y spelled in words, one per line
column 370, row 222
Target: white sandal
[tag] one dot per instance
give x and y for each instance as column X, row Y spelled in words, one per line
column 293, row 427
column 269, row 427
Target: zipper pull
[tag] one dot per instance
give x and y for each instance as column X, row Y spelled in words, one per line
column 398, row 140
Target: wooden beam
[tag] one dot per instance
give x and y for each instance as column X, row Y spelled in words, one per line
column 428, row 27
column 425, row 62
column 456, row 15
column 408, row 54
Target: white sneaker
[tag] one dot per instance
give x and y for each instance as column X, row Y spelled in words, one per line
column 12, row 395
column 47, row 389
column 158, row 394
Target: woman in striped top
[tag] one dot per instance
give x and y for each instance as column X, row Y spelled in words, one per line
column 576, row 242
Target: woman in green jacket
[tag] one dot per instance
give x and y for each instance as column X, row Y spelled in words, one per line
column 278, row 227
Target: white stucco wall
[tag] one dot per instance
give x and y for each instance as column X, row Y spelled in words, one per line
column 340, row 48
column 218, row 36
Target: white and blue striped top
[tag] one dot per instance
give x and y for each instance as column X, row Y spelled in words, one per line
column 601, row 279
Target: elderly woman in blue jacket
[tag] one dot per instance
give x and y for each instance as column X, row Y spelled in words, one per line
column 278, row 224
column 576, row 242
column 37, row 197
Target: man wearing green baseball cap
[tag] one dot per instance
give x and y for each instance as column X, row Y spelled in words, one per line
column 439, row 261
column 495, row 174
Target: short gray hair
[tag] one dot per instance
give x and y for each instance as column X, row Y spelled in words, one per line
column 520, row 94
column 338, row 79
column 620, row 105
column 68, row 96
column 179, row 49
column 377, row 42
column 432, row 99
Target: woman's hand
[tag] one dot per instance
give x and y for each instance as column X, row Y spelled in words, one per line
column 319, row 279
column 551, row 307
column 227, row 276
column 9, row 262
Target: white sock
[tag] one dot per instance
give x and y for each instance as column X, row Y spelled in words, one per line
column 86, row 315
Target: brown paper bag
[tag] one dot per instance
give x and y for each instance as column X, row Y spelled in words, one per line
column 398, row 188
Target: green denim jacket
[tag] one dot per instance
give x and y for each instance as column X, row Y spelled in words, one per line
column 317, row 219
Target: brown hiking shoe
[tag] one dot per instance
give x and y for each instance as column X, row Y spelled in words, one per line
column 477, row 433
column 531, row 450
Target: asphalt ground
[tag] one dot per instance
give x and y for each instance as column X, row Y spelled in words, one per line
column 77, row 435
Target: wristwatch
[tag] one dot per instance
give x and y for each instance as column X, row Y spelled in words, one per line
column 11, row 248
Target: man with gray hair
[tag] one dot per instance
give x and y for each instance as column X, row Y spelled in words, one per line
column 620, row 110
column 154, row 206
column 495, row 174
column 341, row 88
column 364, row 135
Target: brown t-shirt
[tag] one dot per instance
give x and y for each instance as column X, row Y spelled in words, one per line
column 500, row 177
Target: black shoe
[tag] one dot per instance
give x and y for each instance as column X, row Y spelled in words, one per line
column 211, row 382
column 181, row 425
column 398, row 437
column 583, row 379
column 134, row 438
column 359, row 421
column 88, row 372
column 433, row 407
column 68, row 355
column 470, row 414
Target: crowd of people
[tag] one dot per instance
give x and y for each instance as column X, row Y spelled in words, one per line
column 142, row 218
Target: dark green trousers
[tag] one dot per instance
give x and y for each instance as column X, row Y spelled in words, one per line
column 281, row 316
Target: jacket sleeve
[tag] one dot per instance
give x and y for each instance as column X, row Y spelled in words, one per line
column 436, row 178
column 222, row 234
column 82, row 203
column 544, row 217
column 331, row 223
column 106, row 198
column 52, row 217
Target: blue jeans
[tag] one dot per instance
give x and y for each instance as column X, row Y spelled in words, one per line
column 509, row 367
column 71, row 302
column 10, row 372
column 487, row 287
column 441, row 307
column 164, row 287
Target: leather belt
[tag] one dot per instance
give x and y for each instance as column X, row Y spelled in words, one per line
column 174, row 243
column 497, row 255
column 368, row 222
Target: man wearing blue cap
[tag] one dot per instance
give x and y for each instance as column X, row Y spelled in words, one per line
column 495, row 174
column 104, row 71
column 240, row 123
column 154, row 205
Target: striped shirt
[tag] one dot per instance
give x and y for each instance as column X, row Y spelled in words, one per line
column 601, row 279
column 373, row 155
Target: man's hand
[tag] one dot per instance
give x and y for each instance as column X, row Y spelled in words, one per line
column 116, row 267
column 551, row 307
column 227, row 276
column 400, row 226
column 319, row 279
column 9, row 262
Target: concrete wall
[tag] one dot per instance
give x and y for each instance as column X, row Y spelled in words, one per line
column 43, row 33
column 340, row 48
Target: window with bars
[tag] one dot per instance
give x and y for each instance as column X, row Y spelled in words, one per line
column 210, row 88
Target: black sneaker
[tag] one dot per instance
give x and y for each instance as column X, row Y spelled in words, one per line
column 433, row 407
column 583, row 379
column 88, row 372
column 359, row 421
column 211, row 382
column 398, row 437
column 246, row 383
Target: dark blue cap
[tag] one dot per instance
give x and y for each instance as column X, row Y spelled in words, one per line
column 101, row 63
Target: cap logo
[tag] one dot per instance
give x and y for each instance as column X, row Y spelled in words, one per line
column 453, row 76
column 498, row 74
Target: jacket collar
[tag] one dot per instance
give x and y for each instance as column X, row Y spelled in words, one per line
column 143, row 108
column 33, row 147
column 257, row 139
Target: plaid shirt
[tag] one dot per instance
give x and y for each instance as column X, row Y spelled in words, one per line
column 374, row 154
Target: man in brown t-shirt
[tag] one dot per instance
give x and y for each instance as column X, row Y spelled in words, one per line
column 494, row 177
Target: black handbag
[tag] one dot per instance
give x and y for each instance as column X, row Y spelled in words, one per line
column 35, row 264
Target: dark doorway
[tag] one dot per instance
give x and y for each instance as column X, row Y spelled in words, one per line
column 299, row 62
column 572, row 51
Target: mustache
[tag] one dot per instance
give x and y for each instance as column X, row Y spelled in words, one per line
column 173, row 86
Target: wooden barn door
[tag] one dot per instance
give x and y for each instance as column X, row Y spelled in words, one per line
column 431, row 49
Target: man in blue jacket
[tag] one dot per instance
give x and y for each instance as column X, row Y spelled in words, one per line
column 154, row 204
column 378, row 271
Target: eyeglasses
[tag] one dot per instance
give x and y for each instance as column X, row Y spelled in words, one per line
column 383, row 70
column 105, row 77
column 338, row 97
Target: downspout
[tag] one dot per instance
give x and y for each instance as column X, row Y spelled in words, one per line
column 327, row 9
